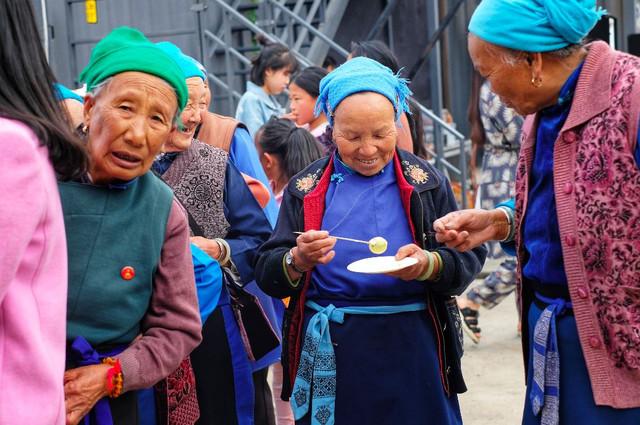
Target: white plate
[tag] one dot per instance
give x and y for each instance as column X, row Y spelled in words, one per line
column 377, row 265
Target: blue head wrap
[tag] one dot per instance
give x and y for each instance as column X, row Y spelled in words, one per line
column 361, row 75
column 534, row 25
column 63, row 93
column 189, row 66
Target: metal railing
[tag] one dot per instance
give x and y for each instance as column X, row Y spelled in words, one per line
column 222, row 39
column 307, row 26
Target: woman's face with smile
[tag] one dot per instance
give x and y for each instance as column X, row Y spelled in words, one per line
column 365, row 132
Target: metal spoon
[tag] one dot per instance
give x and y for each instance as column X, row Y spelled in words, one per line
column 377, row 245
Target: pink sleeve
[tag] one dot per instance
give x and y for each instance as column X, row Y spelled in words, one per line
column 23, row 198
column 171, row 329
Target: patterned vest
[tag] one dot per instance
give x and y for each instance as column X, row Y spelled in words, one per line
column 107, row 231
column 197, row 178
column 597, row 189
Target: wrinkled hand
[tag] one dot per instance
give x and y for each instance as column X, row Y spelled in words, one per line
column 83, row 387
column 413, row 272
column 209, row 246
column 467, row 229
column 312, row 248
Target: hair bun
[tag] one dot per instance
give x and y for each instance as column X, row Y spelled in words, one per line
column 263, row 40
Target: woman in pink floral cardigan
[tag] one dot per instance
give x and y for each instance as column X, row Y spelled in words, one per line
column 576, row 209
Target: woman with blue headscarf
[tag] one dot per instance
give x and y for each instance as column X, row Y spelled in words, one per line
column 576, row 208
column 367, row 349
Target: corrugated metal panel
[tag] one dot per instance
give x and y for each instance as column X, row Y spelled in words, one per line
column 73, row 38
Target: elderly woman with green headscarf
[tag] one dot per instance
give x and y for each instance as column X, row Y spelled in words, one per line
column 132, row 312
column 361, row 348
column 576, row 209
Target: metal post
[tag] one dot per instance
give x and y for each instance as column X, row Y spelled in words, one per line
column 288, row 31
column 382, row 19
column 45, row 28
column 335, row 10
column 317, row 33
column 304, row 31
column 199, row 7
column 71, row 41
column 276, row 14
column 226, row 22
column 220, row 31
column 435, row 76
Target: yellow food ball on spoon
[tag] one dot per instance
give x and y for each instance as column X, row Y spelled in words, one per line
column 378, row 245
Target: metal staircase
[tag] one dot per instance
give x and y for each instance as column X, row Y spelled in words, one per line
column 307, row 27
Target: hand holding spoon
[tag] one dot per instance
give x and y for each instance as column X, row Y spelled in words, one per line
column 377, row 245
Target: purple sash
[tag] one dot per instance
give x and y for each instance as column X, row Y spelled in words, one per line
column 83, row 354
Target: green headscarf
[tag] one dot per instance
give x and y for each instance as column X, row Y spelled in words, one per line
column 127, row 49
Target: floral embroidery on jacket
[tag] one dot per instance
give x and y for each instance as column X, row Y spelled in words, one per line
column 415, row 173
column 306, row 183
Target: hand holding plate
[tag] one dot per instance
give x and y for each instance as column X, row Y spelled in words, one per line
column 416, row 270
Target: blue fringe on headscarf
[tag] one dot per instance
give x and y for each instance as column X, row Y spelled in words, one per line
column 63, row 93
column 534, row 25
column 360, row 75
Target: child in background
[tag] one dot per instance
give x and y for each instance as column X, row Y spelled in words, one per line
column 270, row 74
column 285, row 150
column 304, row 90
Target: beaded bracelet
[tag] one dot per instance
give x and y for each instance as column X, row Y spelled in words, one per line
column 115, row 379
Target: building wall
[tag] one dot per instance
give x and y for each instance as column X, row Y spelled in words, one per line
column 406, row 35
column 71, row 38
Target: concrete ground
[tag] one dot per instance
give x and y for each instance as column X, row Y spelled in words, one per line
column 493, row 370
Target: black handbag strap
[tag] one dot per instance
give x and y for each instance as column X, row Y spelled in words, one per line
column 195, row 227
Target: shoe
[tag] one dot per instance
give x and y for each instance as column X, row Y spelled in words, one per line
column 470, row 323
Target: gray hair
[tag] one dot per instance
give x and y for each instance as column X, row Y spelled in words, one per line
column 100, row 87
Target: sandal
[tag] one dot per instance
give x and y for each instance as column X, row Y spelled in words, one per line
column 470, row 323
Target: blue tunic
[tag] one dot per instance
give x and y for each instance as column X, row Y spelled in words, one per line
column 387, row 367
column 362, row 207
column 541, row 230
column 243, row 154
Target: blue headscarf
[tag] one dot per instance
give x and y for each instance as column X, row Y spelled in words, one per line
column 534, row 25
column 189, row 66
column 63, row 93
column 361, row 75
